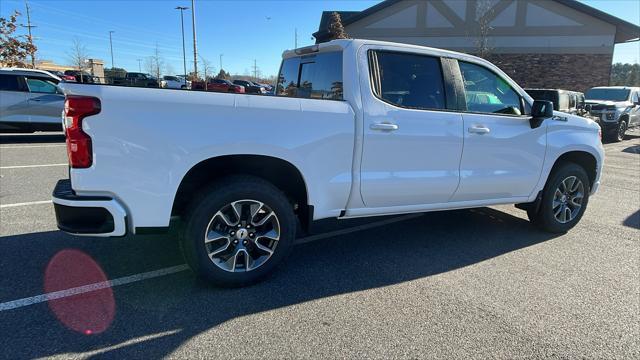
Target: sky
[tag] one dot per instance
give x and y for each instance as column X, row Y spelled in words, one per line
column 242, row 31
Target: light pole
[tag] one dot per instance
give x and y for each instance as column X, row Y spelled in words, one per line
column 139, row 65
column 221, row 55
column 195, row 47
column 111, row 45
column 184, row 54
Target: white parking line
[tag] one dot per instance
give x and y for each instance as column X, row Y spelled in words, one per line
column 91, row 287
column 25, row 204
column 31, row 146
column 15, row 304
column 30, row 166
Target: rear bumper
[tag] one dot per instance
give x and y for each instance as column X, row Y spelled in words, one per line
column 87, row 215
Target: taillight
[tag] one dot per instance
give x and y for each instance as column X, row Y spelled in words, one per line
column 79, row 148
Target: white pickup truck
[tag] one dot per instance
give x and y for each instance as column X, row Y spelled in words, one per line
column 356, row 128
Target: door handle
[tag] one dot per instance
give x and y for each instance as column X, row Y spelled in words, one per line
column 384, row 126
column 479, row 129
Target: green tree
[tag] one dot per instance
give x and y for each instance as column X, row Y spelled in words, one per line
column 223, row 75
column 14, row 48
column 625, row 74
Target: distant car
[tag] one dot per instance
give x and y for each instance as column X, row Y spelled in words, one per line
column 250, row 87
column 617, row 108
column 570, row 102
column 63, row 77
column 267, row 87
column 82, row 76
column 222, row 85
column 30, row 100
column 137, row 79
column 174, row 82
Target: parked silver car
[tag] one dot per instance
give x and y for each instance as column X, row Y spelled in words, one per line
column 30, row 100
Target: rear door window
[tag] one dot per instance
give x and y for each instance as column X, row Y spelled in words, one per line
column 10, row 83
column 410, row 80
column 313, row 76
column 41, row 86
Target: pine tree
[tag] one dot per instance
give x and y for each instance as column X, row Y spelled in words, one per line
column 336, row 29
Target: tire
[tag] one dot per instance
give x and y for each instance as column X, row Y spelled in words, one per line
column 182, row 87
column 246, row 258
column 620, row 132
column 554, row 207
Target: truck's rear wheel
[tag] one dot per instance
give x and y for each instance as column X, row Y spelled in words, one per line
column 238, row 231
column 564, row 199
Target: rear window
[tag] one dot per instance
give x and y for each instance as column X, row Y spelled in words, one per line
column 316, row 76
column 9, row 83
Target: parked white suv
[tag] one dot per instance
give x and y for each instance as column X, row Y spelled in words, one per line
column 175, row 82
column 356, row 128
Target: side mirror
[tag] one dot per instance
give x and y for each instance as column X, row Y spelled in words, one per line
column 540, row 111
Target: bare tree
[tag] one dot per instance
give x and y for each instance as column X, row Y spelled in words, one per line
column 484, row 16
column 154, row 64
column 207, row 70
column 78, row 56
column 336, row 29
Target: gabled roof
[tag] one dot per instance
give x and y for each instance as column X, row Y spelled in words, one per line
column 625, row 31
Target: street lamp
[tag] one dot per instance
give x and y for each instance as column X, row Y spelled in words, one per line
column 184, row 56
column 139, row 65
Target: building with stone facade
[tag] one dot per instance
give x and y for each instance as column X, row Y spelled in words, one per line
column 539, row 43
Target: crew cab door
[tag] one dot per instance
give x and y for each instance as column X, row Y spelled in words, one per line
column 14, row 99
column 46, row 101
column 503, row 155
column 412, row 142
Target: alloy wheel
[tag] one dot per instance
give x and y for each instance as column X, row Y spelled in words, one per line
column 242, row 236
column 567, row 199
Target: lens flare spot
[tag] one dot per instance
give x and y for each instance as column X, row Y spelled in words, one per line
column 87, row 313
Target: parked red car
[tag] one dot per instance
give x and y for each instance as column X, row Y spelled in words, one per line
column 218, row 85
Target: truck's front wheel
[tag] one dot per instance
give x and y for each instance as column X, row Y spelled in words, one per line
column 564, row 199
column 238, row 231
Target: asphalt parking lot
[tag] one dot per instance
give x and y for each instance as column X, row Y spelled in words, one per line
column 472, row 283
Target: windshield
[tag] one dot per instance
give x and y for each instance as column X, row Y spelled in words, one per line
column 608, row 94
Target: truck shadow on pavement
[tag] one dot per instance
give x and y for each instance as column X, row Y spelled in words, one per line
column 155, row 317
column 31, row 138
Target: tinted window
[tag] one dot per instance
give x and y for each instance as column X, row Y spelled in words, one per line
column 315, row 77
column 9, row 83
column 486, row 92
column 41, row 86
column 608, row 94
column 288, row 78
column 410, row 80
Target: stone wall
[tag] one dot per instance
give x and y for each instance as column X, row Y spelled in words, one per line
column 578, row 72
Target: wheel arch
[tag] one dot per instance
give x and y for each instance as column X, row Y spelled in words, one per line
column 582, row 158
column 281, row 173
